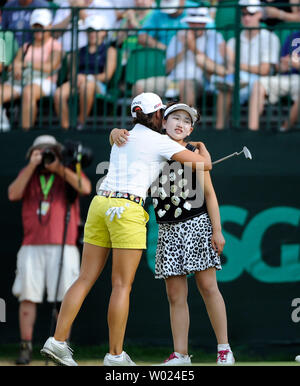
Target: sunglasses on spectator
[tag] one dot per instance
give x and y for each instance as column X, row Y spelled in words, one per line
column 245, row 13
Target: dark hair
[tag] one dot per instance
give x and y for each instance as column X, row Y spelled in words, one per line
column 171, row 103
column 147, row 120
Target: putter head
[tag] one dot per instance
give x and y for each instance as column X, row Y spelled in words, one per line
column 247, row 153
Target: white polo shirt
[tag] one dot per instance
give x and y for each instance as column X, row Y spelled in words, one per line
column 262, row 48
column 187, row 68
column 97, row 7
column 134, row 166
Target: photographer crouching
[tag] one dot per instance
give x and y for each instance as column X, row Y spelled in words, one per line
column 44, row 187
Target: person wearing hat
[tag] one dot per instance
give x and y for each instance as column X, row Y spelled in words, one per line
column 157, row 32
column 190, row 238
column 41, row 185
column 63, row 22
column 168, row 16
column 97, row 63
column 259, row 51
column 117, row 221
column 193, row 55
column 34, row 69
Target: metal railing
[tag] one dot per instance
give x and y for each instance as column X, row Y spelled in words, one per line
column 194, row 77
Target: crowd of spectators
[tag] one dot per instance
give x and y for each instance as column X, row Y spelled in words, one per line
column 86, row 38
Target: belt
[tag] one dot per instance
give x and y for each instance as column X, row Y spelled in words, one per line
column 127, row 196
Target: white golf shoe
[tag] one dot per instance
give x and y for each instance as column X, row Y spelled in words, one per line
column 59, row 352
column 225, row 358
column 177, row 359
column 118, row 360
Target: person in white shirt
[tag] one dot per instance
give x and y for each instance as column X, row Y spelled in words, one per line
column 193, row 55
column 259, row 50
column 63, row 20
column 117, row 220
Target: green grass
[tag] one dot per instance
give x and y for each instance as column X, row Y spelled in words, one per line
column 149, row 355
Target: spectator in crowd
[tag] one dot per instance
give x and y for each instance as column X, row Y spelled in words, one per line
column 8, row 50
column 259, row 50
column 96, row 65
column 63, row 21
column 132, row 19
column 19, row 19
column 34, row 71
column 42, row 188
column 286, row 82
column 193, row 55
column 169, row 16
column 280, row 11
column 121, row 6
column 157, row 32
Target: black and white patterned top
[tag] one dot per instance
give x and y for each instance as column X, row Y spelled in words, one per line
column 177, row 194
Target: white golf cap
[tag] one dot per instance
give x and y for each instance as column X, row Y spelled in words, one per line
column 41, row 16
column 252, row 6
column 44, row 140
column 148, row 102
column 197, row 15
column 174, row 4
column 96, row 22
column 182, row 106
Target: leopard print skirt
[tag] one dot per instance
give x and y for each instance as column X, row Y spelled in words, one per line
column 185, row 247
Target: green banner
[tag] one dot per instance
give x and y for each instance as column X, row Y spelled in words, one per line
column 245, row 254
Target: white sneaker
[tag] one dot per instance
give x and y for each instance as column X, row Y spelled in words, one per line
column 176, row 359
column 4, row 121
column 225, row 358
column 118, row 360
column 297, row 359
column 60, row 353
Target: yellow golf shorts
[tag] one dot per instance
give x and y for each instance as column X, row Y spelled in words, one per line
column 116, row 223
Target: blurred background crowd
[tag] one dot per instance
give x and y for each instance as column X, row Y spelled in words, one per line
column 76, row 64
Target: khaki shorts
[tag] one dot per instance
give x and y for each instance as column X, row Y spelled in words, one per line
column 281, row 85
column 116, row 223
column 37, row 270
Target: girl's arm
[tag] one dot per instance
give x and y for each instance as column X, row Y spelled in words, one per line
column 194, row 159
column 217, row 239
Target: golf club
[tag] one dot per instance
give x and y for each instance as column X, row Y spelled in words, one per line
column 245, row 151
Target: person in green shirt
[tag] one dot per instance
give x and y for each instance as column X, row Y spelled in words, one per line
column 8, row 50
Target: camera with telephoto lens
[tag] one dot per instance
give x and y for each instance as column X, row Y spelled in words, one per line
column 48, row 156
column 71, row 154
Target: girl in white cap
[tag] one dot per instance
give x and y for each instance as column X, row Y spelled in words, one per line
column 117, row 220
column 190, row 240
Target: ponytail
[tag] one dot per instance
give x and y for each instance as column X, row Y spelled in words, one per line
column 147, row 120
